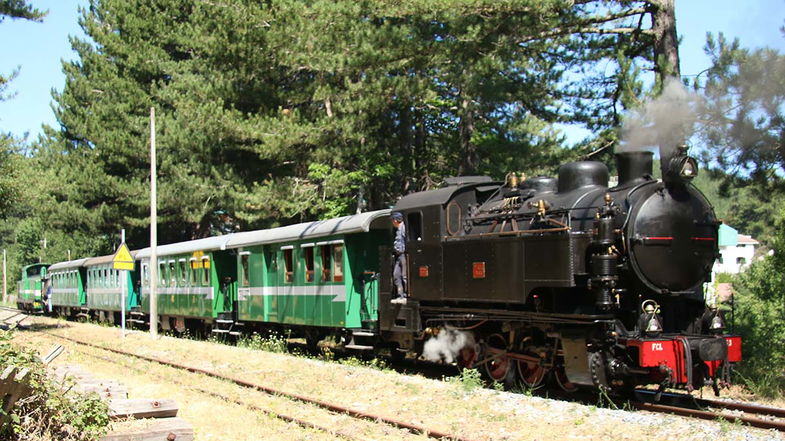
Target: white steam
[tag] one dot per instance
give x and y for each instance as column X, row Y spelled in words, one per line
column 664, row 123
column 447, row 345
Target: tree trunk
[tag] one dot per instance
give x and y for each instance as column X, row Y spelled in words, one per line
column 468, row 149
column 666, row 40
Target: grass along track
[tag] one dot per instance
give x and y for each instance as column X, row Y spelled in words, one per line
column 304, row 418
column 264, row 406
column 333, row 407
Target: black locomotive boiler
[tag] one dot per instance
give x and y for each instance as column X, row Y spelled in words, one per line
column 566, row 278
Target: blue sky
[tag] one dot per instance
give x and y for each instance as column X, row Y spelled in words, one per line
column 38, row 48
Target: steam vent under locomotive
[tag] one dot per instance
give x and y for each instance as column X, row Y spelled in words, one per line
column 565, row 278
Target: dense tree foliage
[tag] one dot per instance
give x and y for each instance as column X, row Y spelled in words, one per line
column 742, row 131
column 19, row 9
column 288, row 110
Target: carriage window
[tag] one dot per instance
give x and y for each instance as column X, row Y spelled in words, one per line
column 338, row 263
column 162, row 279
column 145, row 275
column 183, row 272
column 244, row 264
column 172, row 274
column 453, row 218
column 288, row 265
column 414, row 226
column 308, row 251
column 206, row 271
column 194, row 272
column 326, row 263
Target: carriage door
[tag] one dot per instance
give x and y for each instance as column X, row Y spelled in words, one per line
column 244, row 298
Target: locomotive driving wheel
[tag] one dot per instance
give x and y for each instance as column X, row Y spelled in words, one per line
column 531, row 368
column 499, row 367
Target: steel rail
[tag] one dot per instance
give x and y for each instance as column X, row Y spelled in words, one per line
column 756, row 409
column 414, row 428
column 706, row 415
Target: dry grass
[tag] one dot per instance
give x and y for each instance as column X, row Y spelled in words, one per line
column 481, row 414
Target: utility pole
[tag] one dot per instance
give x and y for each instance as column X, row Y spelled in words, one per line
column 124, row 288
column 5, row 278
column 153, row 268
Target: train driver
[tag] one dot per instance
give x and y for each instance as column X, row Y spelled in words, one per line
column 399, row 253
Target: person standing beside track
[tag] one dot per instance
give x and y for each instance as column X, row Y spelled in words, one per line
column 399, row 253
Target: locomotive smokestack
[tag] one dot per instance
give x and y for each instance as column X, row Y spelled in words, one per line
column 633, row 166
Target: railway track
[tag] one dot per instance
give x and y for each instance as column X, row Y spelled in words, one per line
column 753, row 415
column 336, row 408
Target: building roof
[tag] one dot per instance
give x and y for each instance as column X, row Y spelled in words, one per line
column 743, row 238
column 728, row 236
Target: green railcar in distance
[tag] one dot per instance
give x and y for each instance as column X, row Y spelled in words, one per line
column 105, row 285
column 68, row 283
column 31, row 288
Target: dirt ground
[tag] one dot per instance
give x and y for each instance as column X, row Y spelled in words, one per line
column 478, row 414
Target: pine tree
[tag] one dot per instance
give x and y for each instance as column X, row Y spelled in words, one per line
column 288, row 110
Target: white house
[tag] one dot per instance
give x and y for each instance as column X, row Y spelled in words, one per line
column 736, row 251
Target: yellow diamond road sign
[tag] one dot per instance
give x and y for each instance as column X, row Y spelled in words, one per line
column 122, row 259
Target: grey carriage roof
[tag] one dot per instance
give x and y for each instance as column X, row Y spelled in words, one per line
column 68, row 264
column 358, row 223
column 100, row 260
column 206, row 244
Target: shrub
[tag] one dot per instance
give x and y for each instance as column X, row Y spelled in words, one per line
column 759, row 317
column 272, row 343
column 51, row 411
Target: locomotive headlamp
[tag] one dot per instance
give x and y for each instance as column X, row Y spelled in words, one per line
column 685, row 166
column 689, row 168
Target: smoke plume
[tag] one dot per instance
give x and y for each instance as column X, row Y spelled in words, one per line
column 665, row 122
column 447, row 345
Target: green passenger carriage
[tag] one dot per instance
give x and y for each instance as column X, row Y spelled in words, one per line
column 315, row 274
column 30, row 290
column 194, row 281
column 68, row 293
column 104, row 287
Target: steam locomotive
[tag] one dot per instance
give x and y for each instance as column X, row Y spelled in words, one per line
column 567, row 278
column 526, row 280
